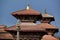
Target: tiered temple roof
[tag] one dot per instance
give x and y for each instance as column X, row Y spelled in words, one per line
column 4, row 34
column 28, row 25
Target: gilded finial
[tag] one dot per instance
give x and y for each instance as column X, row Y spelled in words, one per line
column 28, row 7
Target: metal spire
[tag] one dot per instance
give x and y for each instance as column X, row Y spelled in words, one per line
column 45, row 11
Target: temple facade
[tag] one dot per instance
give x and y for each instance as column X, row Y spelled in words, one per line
column 26, row 27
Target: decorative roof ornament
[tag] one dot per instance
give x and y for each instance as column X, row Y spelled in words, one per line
column 28, row 7
column 46, row 14
column 45, row 11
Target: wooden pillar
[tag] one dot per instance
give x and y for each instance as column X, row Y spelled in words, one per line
column 18, row 29
column 18, row 33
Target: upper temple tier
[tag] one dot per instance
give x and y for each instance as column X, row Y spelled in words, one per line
column 46, row 18
column 27, row 14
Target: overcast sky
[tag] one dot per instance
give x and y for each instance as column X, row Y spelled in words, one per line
column 9, row 6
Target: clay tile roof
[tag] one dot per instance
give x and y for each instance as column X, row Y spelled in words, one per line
column 6, row 36
column 2, row 28
column 46, row 26
column 49, row 37
column 26, row 28
column 38, row 27
column 26, row 12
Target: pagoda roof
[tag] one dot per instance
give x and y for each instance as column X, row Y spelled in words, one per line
column 26, row 11
column 49, row 37
column 47, row 15
column 38, row 27
column 25, row 27
column 6, row 36
column 2, row 28
column 46, row 26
